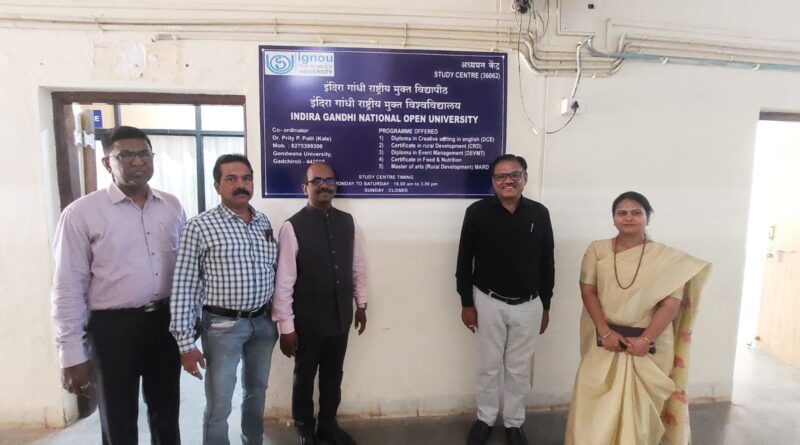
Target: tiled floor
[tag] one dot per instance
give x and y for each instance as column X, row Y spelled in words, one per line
column 765, row 411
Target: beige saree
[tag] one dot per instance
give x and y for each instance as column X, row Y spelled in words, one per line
column 624, row 399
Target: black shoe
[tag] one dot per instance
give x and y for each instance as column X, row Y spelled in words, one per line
column 334, row 434
column 516, row 436
column 305, row 432
column 479, row 433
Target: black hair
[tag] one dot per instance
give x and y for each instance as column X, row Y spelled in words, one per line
column 305, row 174
column 635, row 196
column 124, row 132
column 507, row 157
column 227, row 159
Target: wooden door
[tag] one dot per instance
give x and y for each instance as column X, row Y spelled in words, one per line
column 779, row 319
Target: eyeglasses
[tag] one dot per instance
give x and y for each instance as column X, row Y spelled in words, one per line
column 127, row 156
column 515, row 176
column 319, row 181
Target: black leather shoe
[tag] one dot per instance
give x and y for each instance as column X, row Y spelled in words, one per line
column 331, row 432
column 478, row 433
column 305, row 433
column 516, row 436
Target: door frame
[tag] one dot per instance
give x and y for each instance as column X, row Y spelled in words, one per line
column 67, row 169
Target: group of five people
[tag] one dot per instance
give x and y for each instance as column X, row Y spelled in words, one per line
column 136, row 285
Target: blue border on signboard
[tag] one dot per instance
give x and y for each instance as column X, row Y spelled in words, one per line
column 264, row 124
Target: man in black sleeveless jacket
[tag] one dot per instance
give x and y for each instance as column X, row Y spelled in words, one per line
column 321, row 270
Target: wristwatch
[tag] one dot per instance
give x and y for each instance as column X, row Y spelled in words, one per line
column 362, row 305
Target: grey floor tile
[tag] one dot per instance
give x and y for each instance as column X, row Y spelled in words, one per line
column 765, row 409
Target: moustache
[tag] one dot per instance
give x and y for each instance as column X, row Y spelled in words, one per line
column 241, row 192
column 326, row 190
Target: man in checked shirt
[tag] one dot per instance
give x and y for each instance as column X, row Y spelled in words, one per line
column 225, row 274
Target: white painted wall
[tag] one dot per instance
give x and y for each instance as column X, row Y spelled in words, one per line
column 683, row 136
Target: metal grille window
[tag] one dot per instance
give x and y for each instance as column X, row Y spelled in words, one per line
column 186, row 138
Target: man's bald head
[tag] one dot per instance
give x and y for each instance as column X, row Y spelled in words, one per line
column 319, row 170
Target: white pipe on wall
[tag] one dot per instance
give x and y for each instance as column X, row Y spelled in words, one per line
column 405, row 35
column 668, row 49
column 501, row 37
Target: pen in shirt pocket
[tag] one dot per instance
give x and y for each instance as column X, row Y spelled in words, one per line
column 163, row 230
column 531, row 227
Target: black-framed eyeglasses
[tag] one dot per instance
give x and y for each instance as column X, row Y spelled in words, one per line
column 127, row 156
column 515, row 176
column 319, row 181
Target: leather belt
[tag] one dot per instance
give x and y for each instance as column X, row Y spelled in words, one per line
column 508, row 300
column 216, row 310
column 149, row 307
column 155, row 305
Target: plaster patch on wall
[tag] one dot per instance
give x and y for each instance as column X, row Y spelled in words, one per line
column 119, row 60
column 134, row 60
column 163, row 61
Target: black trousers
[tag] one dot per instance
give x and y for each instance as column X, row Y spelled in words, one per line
column 327, row 354
column 127, row 346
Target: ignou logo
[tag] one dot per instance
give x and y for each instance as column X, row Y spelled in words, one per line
column 298, row 63
column 280, row 63
column 321, row 58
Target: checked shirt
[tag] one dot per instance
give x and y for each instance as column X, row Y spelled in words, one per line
column 222, row 262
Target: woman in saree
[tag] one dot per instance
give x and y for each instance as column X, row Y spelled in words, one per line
column 639, row 300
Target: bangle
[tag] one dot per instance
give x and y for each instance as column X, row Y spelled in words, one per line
column 609, row 333
column 647, row 338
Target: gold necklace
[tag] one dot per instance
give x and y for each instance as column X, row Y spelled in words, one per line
column 644, row 242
